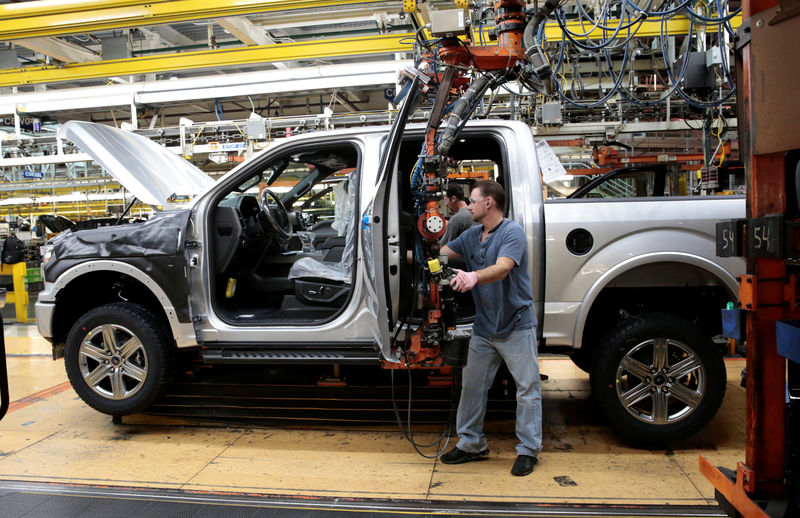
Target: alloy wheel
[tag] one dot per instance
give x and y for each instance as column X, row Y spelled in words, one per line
column 113, row 361
column 660, row 381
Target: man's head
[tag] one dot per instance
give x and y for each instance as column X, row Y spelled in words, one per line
column 487, row 198
column 455, row 198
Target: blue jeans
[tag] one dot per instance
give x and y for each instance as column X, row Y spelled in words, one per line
column 518, row 350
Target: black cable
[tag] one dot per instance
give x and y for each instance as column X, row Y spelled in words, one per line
column 627, row 22
column 683, row 95
column 409, row 435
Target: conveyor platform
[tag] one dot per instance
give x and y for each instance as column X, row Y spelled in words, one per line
column 340, row 451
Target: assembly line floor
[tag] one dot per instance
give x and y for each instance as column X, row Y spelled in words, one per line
column 51, row 442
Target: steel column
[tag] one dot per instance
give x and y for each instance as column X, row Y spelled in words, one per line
column 766, row 371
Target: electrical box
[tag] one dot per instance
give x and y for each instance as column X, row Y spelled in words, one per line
column 116, row 48
column 713, row 57
column 551, row 113
column 697, row 75
column 8, row 58
column 256, row 129
column 448, row 22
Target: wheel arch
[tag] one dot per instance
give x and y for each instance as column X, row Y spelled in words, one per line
column 101, row 279
column 685, row 271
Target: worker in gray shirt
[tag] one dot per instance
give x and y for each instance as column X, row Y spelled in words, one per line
column 461, row 219
column 504, row 330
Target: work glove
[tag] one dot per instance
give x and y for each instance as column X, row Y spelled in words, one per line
column 464, row 281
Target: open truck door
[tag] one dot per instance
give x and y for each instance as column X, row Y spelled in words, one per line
column 380, row 235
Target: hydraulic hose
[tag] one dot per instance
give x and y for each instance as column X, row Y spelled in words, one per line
column 532, row 48
column 461, row 111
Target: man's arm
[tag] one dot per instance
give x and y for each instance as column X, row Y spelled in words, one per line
column 445, row 250
column 496, row 272
column 465, row 281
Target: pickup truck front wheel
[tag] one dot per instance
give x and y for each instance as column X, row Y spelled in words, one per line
column 118, row 358
column 658, row 378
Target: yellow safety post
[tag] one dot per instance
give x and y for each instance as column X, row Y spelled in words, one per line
column 19, row 297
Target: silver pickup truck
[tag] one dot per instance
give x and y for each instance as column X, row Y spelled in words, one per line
column 298, row 256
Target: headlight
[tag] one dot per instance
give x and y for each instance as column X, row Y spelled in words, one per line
column 48, row 253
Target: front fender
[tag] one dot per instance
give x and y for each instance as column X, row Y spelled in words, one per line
column 182, row 332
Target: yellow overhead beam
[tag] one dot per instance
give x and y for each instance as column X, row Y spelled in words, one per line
column 207, row 59
column 60, row 17
column 676, row 26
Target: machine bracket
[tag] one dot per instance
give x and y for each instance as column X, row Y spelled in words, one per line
column 735, row 493
column 741, row 36
column 747, row 292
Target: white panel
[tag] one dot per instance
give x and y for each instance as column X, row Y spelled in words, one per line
column 322, row 78
column 49, row 159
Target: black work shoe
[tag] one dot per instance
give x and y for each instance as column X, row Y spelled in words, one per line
column 456, row 456
column 523, row 465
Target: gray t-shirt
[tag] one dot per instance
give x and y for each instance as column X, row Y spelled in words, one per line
column 502, row 306
column 458, row 223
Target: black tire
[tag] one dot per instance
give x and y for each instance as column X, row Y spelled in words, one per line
column 582, row 359
column 649, row 405
column 107, row 377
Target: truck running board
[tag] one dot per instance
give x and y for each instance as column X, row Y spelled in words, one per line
column 224, row 355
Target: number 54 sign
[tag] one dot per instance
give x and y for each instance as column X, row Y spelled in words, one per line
column 766, row 236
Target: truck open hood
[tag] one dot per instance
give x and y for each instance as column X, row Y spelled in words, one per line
column 153, row 174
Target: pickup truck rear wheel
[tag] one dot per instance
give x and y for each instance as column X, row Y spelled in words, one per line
column 658, row 378
column 582, row 358
column 118, row 358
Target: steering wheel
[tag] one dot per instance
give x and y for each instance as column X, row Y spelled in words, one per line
column 276, row 214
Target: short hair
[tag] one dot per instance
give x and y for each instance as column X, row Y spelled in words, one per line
column 492, row 189
column 457, row 191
